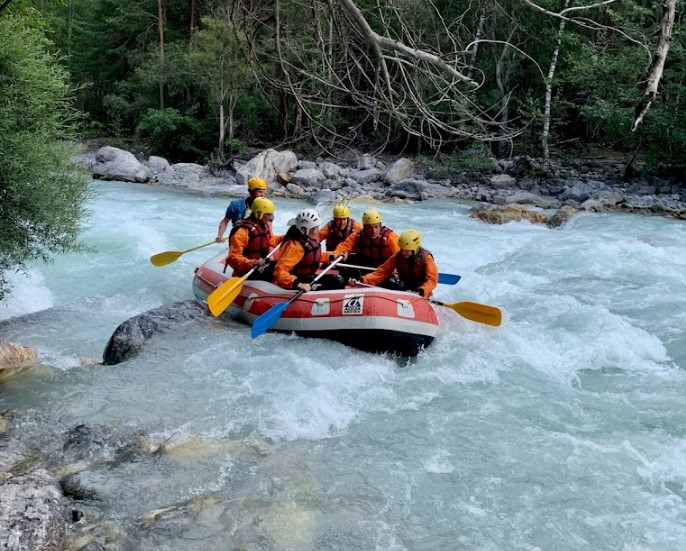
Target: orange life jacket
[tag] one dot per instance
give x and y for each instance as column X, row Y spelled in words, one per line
column 412, row 270
column 373, row 252
column 336, row 236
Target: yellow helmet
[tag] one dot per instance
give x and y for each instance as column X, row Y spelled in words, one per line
column 262, row 206
column 341, row 211
column 256, row 183
column 410, row 240
column 371, row 216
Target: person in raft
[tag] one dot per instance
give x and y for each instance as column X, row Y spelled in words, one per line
column 338, row 228
column 414, row 265
column 371, row 246
column 251, row 240
column 300, row 256
column 238, row 208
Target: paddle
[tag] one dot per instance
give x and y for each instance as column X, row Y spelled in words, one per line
column 480, row 313
column 445, row 279
column 271, row 316
column 222, row 297
column 167, row 257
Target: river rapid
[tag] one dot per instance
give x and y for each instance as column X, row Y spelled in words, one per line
column 563, row 429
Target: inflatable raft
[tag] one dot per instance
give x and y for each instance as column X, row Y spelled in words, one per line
column 367, row 318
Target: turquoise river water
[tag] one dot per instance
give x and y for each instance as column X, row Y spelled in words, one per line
column 563, row 429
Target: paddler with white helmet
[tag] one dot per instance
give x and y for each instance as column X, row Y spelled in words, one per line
column 300, row 255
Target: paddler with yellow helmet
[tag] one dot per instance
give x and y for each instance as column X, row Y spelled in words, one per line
column 372, row 245
column 238, row 208
column 414, row 265
column 251, row 240
column 338, row 228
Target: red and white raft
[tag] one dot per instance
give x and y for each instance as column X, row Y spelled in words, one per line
column 367, row 318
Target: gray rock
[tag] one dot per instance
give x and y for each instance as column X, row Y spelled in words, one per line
column 127, row 339
column 308, row 177
column 502, row 181
column 296, row 190
column 399, row 170
column 31, row 513
column 266, row 165
column 112, row 163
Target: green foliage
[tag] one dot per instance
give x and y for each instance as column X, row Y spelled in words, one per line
column 42, row 196
column 172, row 134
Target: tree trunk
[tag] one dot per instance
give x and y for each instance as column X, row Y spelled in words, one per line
column 160, row 28
column 193, row 14
column 549, row 88
column 658, row 64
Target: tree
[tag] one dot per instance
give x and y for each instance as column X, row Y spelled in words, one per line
column 42, row 196
column 218, row 62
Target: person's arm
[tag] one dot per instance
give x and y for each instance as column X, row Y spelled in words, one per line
column 222, row 228
column 357, row 226
column 346, row 247
column 382, row 273
column 431, row 280
column 291, row 253
column 237, row 243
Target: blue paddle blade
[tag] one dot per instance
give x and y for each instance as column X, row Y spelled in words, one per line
column 266, row 320
column 448, row 279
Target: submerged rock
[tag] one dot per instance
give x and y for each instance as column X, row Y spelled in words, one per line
column 128, row 338
column 13, row 355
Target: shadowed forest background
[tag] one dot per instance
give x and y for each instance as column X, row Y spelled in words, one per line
column 195, row 80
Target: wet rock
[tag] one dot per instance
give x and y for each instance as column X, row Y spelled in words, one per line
column 501, row 214
column 127, row 339
column 31, row 513
column 12, row 453
column 561, row 216
column 14, row 355
column 75, row 486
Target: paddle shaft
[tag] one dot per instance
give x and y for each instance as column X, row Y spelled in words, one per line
column 445, row 279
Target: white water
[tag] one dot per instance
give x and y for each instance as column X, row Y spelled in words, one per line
column 563, row 429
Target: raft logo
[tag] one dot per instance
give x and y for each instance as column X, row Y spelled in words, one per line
column 353, row 305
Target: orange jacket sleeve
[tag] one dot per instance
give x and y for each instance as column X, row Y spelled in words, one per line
column 382, row 273
column 237, row 243
column 349, row 244
column 323, row 233
column 431, row 276
column 290, row 254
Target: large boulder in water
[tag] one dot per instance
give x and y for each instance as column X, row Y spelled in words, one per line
column 128, row 338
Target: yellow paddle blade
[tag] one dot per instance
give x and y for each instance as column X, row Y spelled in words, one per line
column 480, row 313
column 222, row 297
column 167, row 257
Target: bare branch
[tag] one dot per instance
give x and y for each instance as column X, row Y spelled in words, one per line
column 658, row 64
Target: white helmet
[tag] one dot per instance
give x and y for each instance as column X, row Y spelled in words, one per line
column 306, row 220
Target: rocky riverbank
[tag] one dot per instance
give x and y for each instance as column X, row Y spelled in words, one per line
column 590, row 185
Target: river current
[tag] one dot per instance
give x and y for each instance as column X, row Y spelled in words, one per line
column 563, row 429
